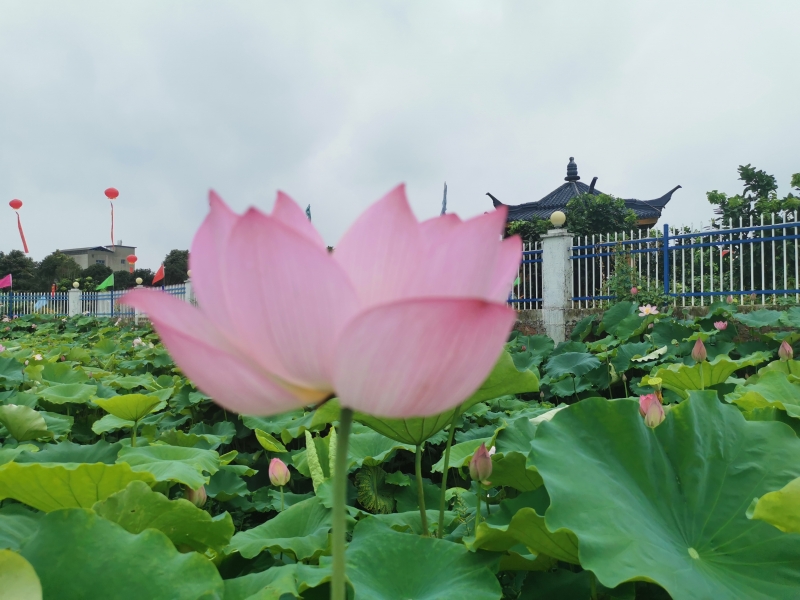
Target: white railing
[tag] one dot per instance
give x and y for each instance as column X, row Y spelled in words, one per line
column 526, row 294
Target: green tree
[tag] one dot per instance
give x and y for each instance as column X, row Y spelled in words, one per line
column 55, row 267
column 590, row 214
column 530, row 231
column 759, row 197
column 176, row 267
column 97, row 272
column 22, row 269
column 124, row 280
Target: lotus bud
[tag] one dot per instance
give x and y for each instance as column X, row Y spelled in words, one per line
column 655, row 415
column 278, row 472
column 721, row 325
column 197, row 497
column 645, row 402
column 699, row 353
column 624, row 377
column 541, row 395
column 480, row 467
column 785, row 352
column 730, row 299
column 634, row 291
column 523, row 348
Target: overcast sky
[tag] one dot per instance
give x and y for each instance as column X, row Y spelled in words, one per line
column 337, row 102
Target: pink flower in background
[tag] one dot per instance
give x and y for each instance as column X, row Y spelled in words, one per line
column 720, row 325
column 279, row 474
column 2, row 348
column 699, row 353
column 137, row 342
column 480, row 466
column 647, row 309
column 634, row 291
column 730, row 299
column 652, row 411
column 785, row 352
column 37, row 357
column 283, row 323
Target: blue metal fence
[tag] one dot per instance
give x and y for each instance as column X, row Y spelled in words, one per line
column 526, row 293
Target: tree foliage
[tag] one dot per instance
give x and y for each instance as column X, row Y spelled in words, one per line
column 21, row 267
column 590, row 214
column 176, row 267
column 759, row 197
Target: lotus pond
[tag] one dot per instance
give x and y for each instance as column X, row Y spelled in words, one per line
column 119, row 478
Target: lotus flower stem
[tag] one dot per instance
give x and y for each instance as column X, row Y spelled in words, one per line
column 338, row 590
column 478, row 511
column 281, row 498
column 421, row 492
column 133, row 433
column 440, row 529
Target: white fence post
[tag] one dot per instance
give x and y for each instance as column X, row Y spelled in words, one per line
column 74, row 303
column 189, row 292
column 556, row 279
column 136, row 312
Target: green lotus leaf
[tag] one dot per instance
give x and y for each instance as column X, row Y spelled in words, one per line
column 293, row 424
column 650, row 356
column 789, row 367
column 77, row 553
column 382, row 563
column 23, row 423
column 172, row 463
column 62, row 372
column 51, row 486
column 268, row 442
column 277, row 582
column 11, row 371
column 75, row 393
column 626, row 352
column 411, row 521
column 668, row 504
column 571, row 363
column 137, row 508
column 509, row 465
column 521, row 521
column 372, row 448
column 772, row 388
column 780, row 508
column 18, row 579
column 614, row 315
column 68, row 452
column 301, row 531
column 129, row 407
column 682, row 378
column 632, row 326
column 760, row 318
column 226, row 484
column 111, row 423
column 504, row 379
column 519, row 558
column 791, row 318
column 461, row 454
column 17, row 524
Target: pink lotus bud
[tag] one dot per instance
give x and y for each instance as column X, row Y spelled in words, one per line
column 2, row 348
column 650, row 326
column 523, row 348
column 645, row 402
column 699, row 353
column 480, row 467
column 730, row 299
column 654, row 416
column 785, row 352
column 197, row 497
column 721, row 325
column 634, row 291
column 278, row 472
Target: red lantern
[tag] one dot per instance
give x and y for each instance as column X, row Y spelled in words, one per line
column 132, row 258
column 16, row 205
column 112, row 193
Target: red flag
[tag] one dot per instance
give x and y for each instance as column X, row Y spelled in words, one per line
column 159, row 274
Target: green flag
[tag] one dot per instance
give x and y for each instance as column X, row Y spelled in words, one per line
column 109, row 282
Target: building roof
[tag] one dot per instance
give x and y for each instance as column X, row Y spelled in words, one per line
column 93, row 249
column 646, row 210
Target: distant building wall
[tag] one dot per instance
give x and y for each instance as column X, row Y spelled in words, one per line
column 114, row 257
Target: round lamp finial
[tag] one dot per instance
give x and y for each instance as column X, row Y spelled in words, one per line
column 139, row 281
column 558, row 218
column 189, row 273
column 76, row 285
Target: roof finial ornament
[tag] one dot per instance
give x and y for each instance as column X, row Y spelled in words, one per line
column 572, row 170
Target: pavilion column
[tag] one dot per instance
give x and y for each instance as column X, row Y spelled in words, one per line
column 556, row 279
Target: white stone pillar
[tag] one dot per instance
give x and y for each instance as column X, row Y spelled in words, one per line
column 136, row 312
column 74, row 297
column 189, row 292
column 556, row 280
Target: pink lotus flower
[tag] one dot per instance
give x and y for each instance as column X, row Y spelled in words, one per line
column 720, row 325
column 2, row 348
column 647, row 309
column 652, row 411
column 699, row 353
column 480, row 467
column 279, row 474
column 403, row 319
column 785, row 352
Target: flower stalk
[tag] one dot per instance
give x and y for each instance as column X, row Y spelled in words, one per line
column 440, row 528
column 420, row 492
column 338, row 590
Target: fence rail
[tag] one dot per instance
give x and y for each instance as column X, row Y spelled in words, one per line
column 757, row 261
column 100, row 304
